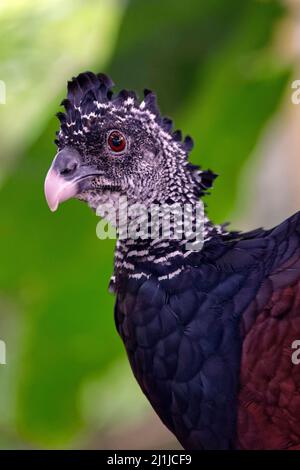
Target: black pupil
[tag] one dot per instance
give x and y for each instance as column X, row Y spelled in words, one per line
column 116, row 141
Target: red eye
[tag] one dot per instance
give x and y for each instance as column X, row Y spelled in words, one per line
column 116, row 141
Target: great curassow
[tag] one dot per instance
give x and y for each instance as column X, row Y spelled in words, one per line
column 208, row 331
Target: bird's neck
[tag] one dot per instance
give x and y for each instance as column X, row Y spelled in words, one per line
column 155, row 238
column 162, row 257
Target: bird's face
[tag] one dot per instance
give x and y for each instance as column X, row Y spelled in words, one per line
column 113, row 145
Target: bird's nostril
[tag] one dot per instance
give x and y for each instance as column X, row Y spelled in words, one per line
column 70, row 168
column 67, row 162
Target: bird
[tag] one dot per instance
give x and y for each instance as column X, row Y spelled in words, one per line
column 209, row 329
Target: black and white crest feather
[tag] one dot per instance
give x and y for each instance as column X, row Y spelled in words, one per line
column 90, row 98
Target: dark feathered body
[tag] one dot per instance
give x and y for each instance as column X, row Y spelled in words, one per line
column 211, row 348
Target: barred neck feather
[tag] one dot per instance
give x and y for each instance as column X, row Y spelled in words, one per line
column 163, row 258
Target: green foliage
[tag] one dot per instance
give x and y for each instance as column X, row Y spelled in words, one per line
column 213, row 68
column 241, row 88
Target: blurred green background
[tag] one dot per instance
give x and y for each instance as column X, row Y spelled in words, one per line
column 223, row 70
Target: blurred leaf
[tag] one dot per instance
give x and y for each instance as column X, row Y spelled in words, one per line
column 163, row 44
column 237, row 93
column 103, row 406
column 44, row 43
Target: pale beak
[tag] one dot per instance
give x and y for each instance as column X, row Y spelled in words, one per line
column 62, row 179
column 58, row 190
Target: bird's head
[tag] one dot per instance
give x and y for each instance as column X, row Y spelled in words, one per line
column 111, row 145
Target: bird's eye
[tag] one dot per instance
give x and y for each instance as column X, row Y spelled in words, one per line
column 116, row 141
